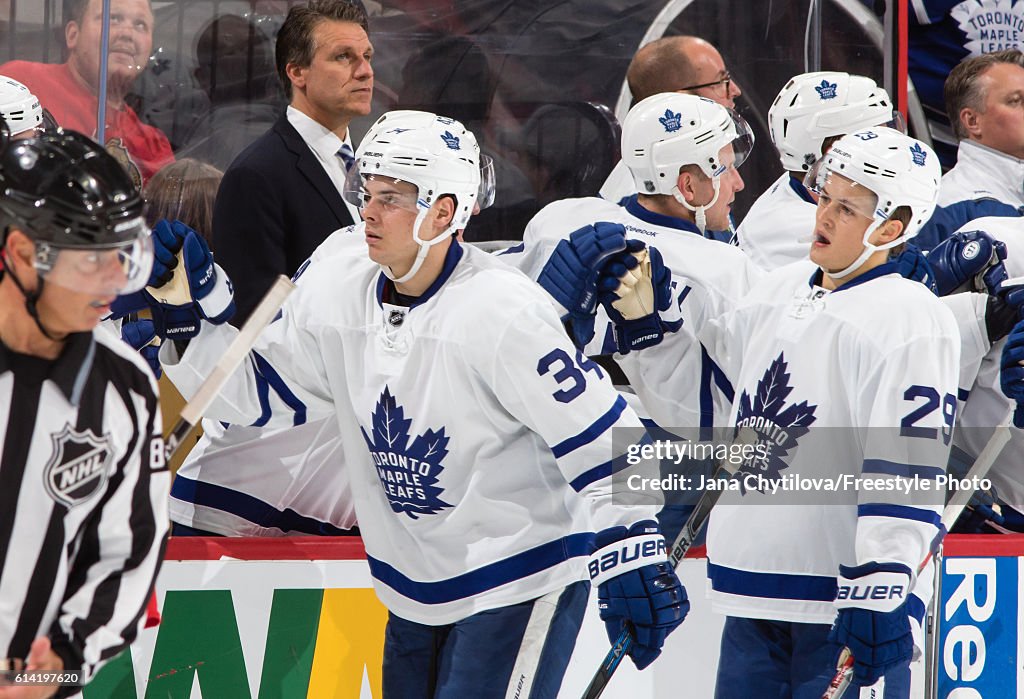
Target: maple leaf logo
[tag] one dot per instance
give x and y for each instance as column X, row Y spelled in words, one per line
column 777, row 425
column 408, row 473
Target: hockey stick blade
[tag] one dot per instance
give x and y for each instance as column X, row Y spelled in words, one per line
column 950, row 514
column 236, row 352
column 691, row 529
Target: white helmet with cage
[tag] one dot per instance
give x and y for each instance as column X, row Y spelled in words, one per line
column 436, row 154
column 664, row 132
column 889, row 170
column 815, row 106
column 19, row 107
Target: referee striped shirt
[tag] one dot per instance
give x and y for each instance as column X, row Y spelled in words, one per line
column 83, row 499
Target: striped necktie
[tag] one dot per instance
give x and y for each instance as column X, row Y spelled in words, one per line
column 347, row 156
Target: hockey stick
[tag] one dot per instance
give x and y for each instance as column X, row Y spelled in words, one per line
column 691, row 529
column 236, row 352
column 844, row 669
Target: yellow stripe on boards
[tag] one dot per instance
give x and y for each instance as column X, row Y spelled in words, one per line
column 349, row 643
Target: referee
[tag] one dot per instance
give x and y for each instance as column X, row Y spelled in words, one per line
column 83, row 484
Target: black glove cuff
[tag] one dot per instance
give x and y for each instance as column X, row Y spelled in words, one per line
column 1000, row 317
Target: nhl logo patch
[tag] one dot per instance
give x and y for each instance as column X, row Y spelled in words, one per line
column 396, row 318
column 78, row 467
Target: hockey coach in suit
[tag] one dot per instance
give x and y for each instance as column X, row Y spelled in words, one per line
column 281, row 197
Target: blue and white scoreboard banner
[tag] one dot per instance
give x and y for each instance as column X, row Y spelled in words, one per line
column 982, row 625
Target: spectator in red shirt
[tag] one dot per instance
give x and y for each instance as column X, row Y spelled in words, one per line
column 68, row 90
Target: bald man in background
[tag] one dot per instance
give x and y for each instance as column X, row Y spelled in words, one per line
column 673, row 64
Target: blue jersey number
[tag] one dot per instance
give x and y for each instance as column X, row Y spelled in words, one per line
column 908, row 427
column 568, row 374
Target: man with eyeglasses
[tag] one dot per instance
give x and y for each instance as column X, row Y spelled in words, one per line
column 686, row 64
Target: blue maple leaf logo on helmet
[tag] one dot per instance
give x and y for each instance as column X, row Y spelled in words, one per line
column 672, row 121
column 408, row 473
column 450, row 140
column 778, row 426
column 826, row 90
column 918, row 154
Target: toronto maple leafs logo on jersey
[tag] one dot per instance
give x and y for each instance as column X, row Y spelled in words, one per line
column 450, row 140
column 827, row 90
column 408, row 473
column 990, row 25
column 78, row 466
column 918, row 154
column 778, row 426
column 672, row 121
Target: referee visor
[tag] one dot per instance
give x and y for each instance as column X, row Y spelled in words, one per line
column 111, row 270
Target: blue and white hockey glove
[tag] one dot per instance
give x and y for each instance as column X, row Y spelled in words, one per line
column 140, row 334
column 872, row 620
column 199, row 290
column 571, row 275
column 636, row 586
column 642, row 293
column 167, row 240
column 912, row 264
column 1011, row 372
column 968, row 261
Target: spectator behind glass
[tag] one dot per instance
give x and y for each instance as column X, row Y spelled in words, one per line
column 68, row 90
column 236, row 71
column 184, row 191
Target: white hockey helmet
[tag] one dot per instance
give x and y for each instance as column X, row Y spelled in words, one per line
column 664, row 132
column 19, row 107
column 893, row 169
column 815, row 106
column 437, row 155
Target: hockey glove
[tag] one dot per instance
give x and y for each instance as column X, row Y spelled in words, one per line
column 571, row 275
column 140, row 334
column 167, row 240
column 637, row 587
column 968, row 261
column 1004, row 308
column 1011, row 374
column 912, row 264
column 642, row 294
column 199, row 290
column 872, row 620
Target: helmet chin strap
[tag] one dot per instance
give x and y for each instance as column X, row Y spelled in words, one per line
column 31, row 298
column 424, row 246
column 868, row 251
column 700, row 216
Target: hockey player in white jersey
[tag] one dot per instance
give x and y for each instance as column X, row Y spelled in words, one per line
column 683, row 152
column 479, row 440
column 847, row 369
column 810, row 112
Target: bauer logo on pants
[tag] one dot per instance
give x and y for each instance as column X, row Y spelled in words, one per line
column 78, row 467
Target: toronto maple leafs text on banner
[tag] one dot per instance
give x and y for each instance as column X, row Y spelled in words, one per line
column 787, row 462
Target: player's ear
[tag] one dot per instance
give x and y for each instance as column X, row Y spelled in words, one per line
column 444, row 212
column 19, row 250
column 687, row 182
column 888, row 231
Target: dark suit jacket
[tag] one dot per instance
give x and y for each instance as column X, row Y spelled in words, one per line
column 275, row 205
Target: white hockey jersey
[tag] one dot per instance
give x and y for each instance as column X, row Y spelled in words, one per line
column 986, row 406
column 778, row 227
column 860, row 381
column 683, row 388
column 478, row 440
column 243, row 480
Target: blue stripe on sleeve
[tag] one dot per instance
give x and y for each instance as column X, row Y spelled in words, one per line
column 593, row 432
column 595, row 474
column 270, row 375
column 263, row 394
column 818, row 588
column 891, row 468
column 252, row 509
column 488, row 577
column 899, row 512
column 514, row 249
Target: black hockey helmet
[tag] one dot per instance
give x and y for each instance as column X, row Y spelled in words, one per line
column 62, row 188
